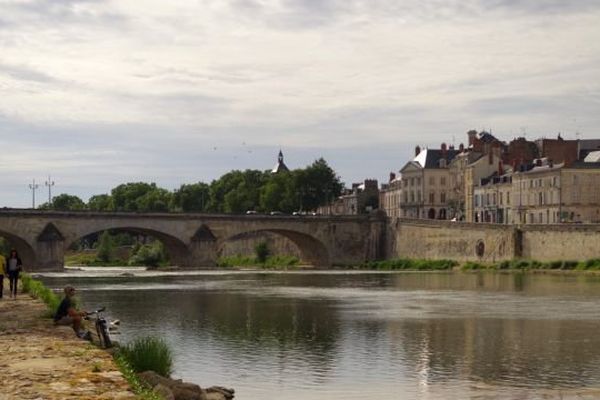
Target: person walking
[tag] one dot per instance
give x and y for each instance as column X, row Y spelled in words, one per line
column 2, row 273
column 13, row 267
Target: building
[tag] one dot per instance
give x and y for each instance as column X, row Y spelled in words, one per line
column 492, row 200
column 482, row 167
column 362, row 198
column 426, row 183
column 280, row 166
column 390, row 197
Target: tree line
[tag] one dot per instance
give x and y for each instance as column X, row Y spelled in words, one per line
column 235, row 192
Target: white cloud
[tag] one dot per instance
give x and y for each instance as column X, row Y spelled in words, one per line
column 85, row 77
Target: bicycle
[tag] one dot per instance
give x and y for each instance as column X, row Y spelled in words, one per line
column 103, row 327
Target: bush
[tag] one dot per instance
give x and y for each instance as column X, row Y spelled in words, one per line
column 473, row 266
column 106, row 247
column 148, row 354
column 262, row 252
column 151, row 255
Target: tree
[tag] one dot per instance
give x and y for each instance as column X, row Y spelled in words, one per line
column 64, row 202
column 236, row 191
column 156, row 200
column 101, row 202
column 140, row 196
column 262, row 252
column 317, row 184
column 191, row 198
column 106, row 247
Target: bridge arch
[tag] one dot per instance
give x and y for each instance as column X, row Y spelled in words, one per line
column 312, row 249
column 177, row 249
column 23, row 247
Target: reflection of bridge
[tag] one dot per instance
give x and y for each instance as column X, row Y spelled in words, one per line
column 192, row 240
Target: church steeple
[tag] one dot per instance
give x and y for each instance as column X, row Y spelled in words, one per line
column 280, row 167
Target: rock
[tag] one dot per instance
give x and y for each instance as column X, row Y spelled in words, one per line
column 179, row 389
column 164, row 392
column 219, row 392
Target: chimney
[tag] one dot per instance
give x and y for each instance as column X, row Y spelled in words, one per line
column 444, row 149
column 461, row 148
column 392, row 176
column 471, row 134
column 417, row 150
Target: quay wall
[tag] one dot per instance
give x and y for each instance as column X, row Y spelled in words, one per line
column 434, row 239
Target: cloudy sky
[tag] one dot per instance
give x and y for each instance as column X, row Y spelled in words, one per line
column 101, row 92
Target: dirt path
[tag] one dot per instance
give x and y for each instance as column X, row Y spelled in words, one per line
column 43, row 362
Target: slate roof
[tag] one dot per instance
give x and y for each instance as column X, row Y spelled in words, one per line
column 430, row 158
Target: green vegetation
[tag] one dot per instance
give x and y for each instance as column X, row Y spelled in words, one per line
column 150, row 255
column 148, row 354
column 235, row 192
column 522, row 264
column 106, row 248
column 36, row 289
column 271, row 262
column 136, row 385
column 408, row 264
column 262, row 252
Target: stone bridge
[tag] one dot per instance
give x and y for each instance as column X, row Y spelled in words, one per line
column 193, row 240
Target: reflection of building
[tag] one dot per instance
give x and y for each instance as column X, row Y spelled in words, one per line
column 390, row 197
column 361, row 199
column 426, row 183
column 280, row 166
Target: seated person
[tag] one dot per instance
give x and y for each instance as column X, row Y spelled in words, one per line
column 67, row 314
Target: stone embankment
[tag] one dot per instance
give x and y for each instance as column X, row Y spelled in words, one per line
column 41, row 361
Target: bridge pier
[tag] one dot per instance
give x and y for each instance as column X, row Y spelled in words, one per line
column 50, row 249
column 202, row 254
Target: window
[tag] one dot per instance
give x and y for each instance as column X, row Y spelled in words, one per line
column 540, row 198
column 412, row 181
column 431, row 181
column 443, row 197
column 476, row 200
column 494, row 199
column 418, row 181
column 431, row 198
column 419, row 196
column 507, row 197
column 412, row 197
column 443, row 181
column 501, row 196
column 487, row 199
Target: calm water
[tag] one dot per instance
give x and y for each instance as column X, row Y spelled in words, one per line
column 365, row 335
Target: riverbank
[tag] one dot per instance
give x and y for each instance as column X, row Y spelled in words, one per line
column 41, row 361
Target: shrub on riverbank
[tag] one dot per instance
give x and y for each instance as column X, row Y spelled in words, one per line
column 36, row 289
column 148, row 354
column 522, row 264
column 271, row 262
column 409, row 264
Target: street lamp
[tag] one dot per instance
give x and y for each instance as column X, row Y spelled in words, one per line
column 49, row 183
column 33, row 186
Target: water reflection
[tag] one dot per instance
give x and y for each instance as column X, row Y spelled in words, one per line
column 356, row 336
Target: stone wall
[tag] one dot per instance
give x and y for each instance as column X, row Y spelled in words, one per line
column 435, row 239
column 244, row 245
column 561, row 242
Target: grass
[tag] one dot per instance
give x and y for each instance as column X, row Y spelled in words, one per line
column 408, row 265
column 523, row 264
column 148, row 354
column 36, row 289
column 271, row 262
column 143, row 392
column 91, row 260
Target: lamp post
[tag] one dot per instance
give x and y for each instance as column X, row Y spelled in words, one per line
column 49, row 183
column 33, row 186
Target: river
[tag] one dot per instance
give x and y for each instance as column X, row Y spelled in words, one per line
column 363, row 335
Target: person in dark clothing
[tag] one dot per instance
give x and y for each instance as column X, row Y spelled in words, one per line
column 67, row 314
column 2, row 273
column 13, row 268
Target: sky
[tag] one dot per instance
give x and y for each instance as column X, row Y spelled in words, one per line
column 96, row 93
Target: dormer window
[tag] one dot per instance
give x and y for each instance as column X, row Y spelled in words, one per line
column 442, row 163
